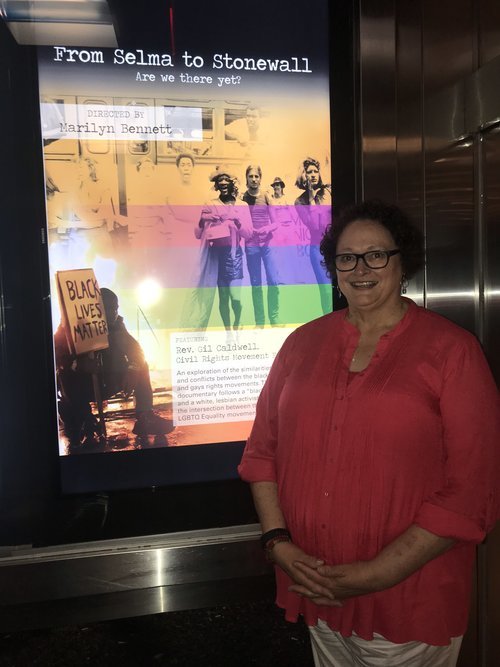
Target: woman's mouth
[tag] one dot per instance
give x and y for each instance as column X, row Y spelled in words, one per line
column 363, row 284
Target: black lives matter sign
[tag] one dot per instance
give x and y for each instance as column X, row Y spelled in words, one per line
column 82, row 310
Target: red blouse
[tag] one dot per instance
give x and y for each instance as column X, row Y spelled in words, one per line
column 412, row 439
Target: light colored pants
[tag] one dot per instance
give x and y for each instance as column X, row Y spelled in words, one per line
column 330, row 649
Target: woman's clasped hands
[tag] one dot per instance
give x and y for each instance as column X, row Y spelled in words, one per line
column 324, row 584
column 303, row 570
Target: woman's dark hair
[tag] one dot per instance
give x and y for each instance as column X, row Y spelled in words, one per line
column 188, row 156
column 407, row 237
column 109, row 298
column 233, row 185
column 301, row 180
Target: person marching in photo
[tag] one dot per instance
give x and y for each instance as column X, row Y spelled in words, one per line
column 259, row 249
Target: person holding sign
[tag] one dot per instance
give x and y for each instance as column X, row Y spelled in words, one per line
column 374, row 459
column 123, row 369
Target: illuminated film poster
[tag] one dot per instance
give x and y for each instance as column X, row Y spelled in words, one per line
column 187, row 191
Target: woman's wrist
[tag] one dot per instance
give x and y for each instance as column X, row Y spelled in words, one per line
column 380, row 574
column 271, row 534
column 272, row 544
column 273, row 537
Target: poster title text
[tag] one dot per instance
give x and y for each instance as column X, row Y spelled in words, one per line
column 219, row 60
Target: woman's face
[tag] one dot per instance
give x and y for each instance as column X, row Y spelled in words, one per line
column 312, row 175
column 223, row 184
column 366, row 288
column 185, row 168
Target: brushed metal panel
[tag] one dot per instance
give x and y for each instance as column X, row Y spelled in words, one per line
column 138, row 602
column 124, row 565
column 482, row 96
column 409, row 137
column 489, row 30
column 450, row 234
column 491, row 216
column 378, row 109
column 448, row 39
column 448, row 56
column 409, row 108
column 445, row 117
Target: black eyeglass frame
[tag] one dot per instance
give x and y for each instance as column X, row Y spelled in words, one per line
column 358, row 256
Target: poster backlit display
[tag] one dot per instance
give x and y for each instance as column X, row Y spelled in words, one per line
column 195, row 183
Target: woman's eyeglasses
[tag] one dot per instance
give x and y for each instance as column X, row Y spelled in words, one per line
column 374, row 259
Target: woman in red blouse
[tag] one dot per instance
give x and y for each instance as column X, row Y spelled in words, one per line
column 374, row 460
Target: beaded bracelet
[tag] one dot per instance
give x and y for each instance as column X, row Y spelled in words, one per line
column 270, row 534
column 270, row 544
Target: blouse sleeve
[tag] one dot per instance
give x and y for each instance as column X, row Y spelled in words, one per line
column 466, row 507
column 257, row 463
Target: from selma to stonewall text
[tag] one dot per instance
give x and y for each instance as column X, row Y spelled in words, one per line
column 219, row 60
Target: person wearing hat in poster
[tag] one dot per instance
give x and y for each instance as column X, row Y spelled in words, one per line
column 286, row 238
column 222, row 225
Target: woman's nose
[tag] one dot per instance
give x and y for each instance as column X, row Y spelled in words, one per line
column 361, row 266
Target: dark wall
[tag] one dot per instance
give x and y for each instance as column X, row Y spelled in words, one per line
column 27, row 459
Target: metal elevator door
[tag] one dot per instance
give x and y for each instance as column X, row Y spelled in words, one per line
column 488, row 197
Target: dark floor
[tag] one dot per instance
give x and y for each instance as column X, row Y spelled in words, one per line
column 246, row 635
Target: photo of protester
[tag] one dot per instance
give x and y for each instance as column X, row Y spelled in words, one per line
column 146, row 215
column 183, row 194
column 314, row 209
column 286, row 237
column 92, row 216
column 259, row 249
column 224, row 223
column 119, row 369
